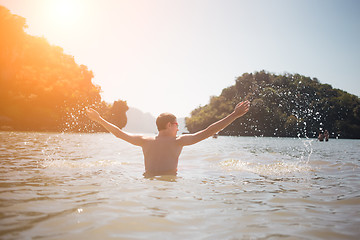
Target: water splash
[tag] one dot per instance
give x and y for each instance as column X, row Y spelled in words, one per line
column 308, row 147
column 277, row 168
column 74, row 120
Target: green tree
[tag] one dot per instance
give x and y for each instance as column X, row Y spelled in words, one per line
column 286, row 105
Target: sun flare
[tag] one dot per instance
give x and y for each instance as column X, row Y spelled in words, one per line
column 64, row 13
column 64, row 9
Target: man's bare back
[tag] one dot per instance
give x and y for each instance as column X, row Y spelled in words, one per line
column 161, row 153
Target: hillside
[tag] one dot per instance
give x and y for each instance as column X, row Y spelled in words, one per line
column 288, row 105
column 44, row 89
column 139, row 122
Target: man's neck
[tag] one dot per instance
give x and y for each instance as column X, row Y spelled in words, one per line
column 164, row 133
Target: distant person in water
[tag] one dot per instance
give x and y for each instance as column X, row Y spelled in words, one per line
column 161, row 153
column 321, row 137
column 326, row 135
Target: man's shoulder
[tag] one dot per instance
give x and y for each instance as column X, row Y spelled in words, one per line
column 185, row 139
column 184, row 136
column 149, row 138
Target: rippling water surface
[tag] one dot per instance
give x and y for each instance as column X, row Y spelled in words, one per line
column 90, row 186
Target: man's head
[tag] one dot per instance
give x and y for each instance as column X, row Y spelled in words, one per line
column 164, row 119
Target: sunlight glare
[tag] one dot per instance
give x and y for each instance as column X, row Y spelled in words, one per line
column 64, row 9
column 64, row 13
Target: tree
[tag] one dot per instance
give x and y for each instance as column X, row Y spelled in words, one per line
column 282, row 105
column 41, row 88
column 118, row 113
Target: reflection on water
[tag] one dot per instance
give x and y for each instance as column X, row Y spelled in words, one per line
column 75, row 186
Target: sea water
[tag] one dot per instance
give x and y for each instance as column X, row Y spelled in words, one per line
column 90, row 186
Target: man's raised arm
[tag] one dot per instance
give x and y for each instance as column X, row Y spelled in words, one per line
column 239, row 111
column 95, row 116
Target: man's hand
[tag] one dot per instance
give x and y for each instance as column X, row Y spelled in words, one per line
column 242, row 108
column 133, row 139
column 93, row 115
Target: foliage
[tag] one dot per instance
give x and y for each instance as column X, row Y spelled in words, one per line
column 118, row 113
column 41, row 87
column 282, row 105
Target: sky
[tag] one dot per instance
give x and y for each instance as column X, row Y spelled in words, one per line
column 172, row 55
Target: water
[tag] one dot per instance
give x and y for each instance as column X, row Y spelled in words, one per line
column 90, row 186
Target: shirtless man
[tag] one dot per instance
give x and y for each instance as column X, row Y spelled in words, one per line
column 161, row 153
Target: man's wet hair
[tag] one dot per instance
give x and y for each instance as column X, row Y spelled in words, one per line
column 163, row 119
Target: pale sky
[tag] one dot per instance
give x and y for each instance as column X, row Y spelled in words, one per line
column 171, row 56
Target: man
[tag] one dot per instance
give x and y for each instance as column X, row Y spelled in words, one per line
column 161, row 153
